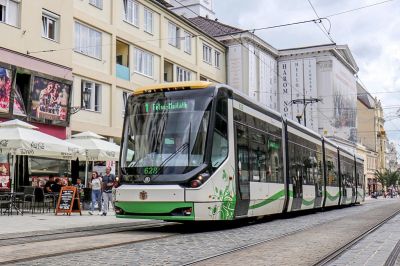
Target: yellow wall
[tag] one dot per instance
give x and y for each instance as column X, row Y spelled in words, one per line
column 366, row 126
column 109, row 20
column 28, row 36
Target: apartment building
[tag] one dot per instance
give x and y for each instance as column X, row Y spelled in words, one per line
column 67, row 66
column 96, row 52
column 123, row 44
column 35, row 63
column 369, row 132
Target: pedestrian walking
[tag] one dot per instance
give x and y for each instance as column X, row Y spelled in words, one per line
column 108, row 184
column 95, row 184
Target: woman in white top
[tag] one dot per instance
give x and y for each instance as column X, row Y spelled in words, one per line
column 95, row 185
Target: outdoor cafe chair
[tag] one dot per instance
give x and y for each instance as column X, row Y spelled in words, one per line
column 29, row 198
column 5, row 204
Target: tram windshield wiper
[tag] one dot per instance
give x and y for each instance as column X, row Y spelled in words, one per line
column 183, row 147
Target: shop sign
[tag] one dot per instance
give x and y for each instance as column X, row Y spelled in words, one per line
column 68, row 201
column 5, row 89
column 49, row 100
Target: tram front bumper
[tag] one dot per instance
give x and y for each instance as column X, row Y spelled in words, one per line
column 166, row 202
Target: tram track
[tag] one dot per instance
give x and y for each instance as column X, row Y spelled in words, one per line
column 79, row 232
column 55, row 244
column 233, row 250
column 340, row 251
column 227, row 255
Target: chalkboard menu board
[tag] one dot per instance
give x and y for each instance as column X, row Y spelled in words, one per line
column 68, row 201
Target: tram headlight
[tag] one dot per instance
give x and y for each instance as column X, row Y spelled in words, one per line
column 195, row 183
column 199, row 180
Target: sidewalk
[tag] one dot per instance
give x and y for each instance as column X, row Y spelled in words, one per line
column 48, row 223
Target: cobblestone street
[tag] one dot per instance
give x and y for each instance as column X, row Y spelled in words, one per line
column 192, row 244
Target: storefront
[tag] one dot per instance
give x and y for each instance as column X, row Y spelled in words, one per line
column 37, row 92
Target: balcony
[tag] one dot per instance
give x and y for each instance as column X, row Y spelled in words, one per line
column 123, row 72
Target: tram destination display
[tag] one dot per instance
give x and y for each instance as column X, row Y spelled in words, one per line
column 68, row 201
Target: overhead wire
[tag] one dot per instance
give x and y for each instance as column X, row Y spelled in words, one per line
column 324, row 30
column 253, row 30
column 358, row 8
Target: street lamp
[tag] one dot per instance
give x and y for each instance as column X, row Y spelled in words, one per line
column 86, row 97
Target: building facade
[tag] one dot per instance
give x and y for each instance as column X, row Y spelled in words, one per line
column 36, row 78
column 323, row 78
column 136, row 43
column 391, row 156
column 369, row 136
column 68, row 66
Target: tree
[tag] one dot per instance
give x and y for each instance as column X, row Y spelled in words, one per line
column 388, row 178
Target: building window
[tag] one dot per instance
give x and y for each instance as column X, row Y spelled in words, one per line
column 50, row 25
column 131, row 12
column 174, row 35
column 9, row 12
column 144, row 62
column 182, row 74
column 97, row 3
column 207, row 54
column 90, row 96
column 87, row 41
column 188, row 42
column 217, row 59
column 148, row 21
column 2, row 13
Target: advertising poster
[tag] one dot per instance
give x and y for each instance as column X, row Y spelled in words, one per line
column 4, row 176
column 5, row 89
column 50, row 100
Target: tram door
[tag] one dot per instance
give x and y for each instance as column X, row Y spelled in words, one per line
column 242, row 170
column 297, row 181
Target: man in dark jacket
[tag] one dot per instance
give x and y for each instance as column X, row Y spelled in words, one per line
column 108, row 184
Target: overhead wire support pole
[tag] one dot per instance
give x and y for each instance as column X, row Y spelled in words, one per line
column 305, row 102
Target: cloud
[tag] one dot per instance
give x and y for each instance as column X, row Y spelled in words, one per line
column 371, row 33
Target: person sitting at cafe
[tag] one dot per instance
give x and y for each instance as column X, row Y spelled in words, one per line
column 49, row 183
column 79, row 184
column 56, row 187
column 80, row 187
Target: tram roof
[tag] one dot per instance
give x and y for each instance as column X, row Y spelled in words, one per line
column 171, row 86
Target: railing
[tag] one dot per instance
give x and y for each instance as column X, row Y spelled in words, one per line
column 123, row 72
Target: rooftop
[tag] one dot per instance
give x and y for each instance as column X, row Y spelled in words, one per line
column 213, row 27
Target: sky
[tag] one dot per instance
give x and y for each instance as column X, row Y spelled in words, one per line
column 372, row 34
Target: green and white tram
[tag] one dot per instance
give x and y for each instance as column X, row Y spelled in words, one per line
column 202, row 151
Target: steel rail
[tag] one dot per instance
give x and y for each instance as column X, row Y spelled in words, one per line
column 248, row 245
column 391, row 260
column 92, row 232
column 79, row 232
column 323, row 261
column 338, row 252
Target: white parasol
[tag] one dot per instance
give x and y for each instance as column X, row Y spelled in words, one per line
column 20, row 138
column 96, row 148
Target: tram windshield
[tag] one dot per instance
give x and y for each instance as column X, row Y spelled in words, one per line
column 166, row 132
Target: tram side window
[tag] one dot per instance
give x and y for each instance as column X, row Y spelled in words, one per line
column 332, row 170
column 220, row 136
column 274, row 169
column 310, row 165
column 257, row 156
